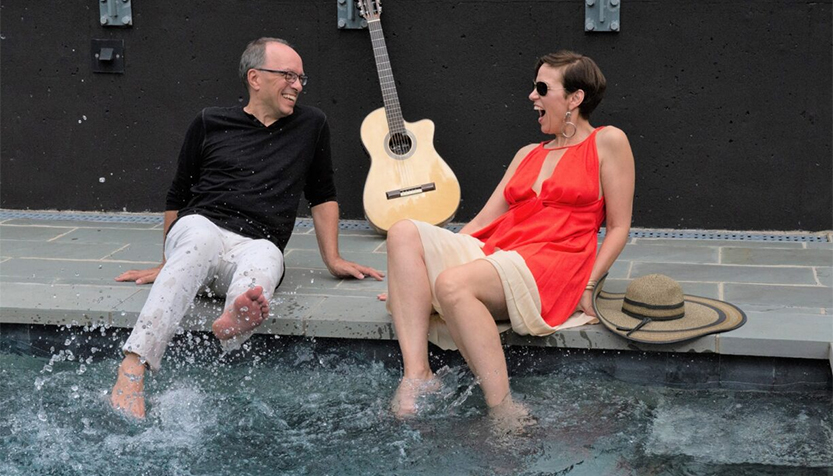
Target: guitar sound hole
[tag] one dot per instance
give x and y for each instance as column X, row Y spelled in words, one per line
column 400, row 143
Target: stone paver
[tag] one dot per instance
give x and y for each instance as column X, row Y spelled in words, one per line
column 55, row 249
column 767, row 334
column 670, row 254
column 31, row 233
column 782, row 296
column 728, row 273
column 772, row 257
column 824, row 276
column 717, row 243
column 112, row 235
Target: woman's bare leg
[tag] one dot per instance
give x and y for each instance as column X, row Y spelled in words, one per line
column 472, row 299
column 409, row 298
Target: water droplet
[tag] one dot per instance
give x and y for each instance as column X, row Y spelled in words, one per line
column 42, row 415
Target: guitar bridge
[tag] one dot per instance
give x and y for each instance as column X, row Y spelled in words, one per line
column 405, row 192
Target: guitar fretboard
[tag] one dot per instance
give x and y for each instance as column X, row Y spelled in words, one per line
column 393, row 112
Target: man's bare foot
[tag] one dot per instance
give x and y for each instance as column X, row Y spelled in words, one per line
column 510, row 417
column 128, row 394
column 405, row 401
column 246, row 313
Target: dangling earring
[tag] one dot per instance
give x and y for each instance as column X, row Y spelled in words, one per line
column 568, row 124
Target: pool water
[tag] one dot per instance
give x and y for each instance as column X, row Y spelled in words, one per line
column 297, row 407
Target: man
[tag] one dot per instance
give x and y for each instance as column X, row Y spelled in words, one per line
column 231, row 210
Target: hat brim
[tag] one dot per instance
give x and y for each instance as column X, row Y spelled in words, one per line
column 703, row 316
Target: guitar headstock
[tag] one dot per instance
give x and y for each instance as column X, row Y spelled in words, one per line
column 370, row 9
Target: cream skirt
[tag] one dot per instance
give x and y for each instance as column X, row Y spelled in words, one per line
column 445, row 249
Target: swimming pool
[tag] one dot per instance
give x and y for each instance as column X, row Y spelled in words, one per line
column 301, row 407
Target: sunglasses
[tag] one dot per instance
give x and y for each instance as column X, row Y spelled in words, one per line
column 542, row 89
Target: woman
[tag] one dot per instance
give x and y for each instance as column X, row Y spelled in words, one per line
column 529, row 256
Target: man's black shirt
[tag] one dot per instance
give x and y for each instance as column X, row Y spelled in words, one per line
column 248, row 178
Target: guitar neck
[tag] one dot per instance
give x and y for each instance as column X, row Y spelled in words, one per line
column 393, row 112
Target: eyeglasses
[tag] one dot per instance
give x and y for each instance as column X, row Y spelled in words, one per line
column 542, row 89
column 290, row 76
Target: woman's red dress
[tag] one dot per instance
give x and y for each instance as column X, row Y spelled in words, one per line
column 555, row 232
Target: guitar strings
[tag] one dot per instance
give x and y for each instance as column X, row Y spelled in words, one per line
column 398, row 138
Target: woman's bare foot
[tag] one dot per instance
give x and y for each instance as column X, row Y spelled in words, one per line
column 510, row 417
column 128, row 394
column 246, row 313
column 405, row 401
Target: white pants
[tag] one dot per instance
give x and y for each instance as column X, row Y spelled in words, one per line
column 199, row 255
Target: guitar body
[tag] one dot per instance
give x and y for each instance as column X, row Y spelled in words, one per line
column 416, row 184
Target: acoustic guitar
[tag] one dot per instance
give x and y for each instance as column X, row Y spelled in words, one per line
column 407, row 178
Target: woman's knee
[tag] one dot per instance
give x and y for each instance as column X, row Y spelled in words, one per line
column 403, row 235
column 403, row 230
column 450, row 288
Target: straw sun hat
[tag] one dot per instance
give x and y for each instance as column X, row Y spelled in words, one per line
column 654, row 310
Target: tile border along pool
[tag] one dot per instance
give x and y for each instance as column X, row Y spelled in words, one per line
column 57, row 269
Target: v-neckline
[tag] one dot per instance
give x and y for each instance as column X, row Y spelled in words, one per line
column 554, row 169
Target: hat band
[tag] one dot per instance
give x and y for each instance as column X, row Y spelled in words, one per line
column 631, row 330
column 658, row 312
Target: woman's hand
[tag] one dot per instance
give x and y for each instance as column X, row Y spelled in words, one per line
column 586, row 303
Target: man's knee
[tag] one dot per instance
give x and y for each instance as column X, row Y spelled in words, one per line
column 194, row 237
column 259, row 262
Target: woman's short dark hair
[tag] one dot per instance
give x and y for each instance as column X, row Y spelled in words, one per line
column 579, row 72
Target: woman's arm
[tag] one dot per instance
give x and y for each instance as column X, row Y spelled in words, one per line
column 617, row 180
column 496, row 205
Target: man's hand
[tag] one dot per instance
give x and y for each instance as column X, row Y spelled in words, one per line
column 341, row 268
column 141, row 276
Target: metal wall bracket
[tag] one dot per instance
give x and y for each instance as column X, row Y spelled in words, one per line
column 348, row 16
column 115, row 12
column 601, row 15
column 107, row 56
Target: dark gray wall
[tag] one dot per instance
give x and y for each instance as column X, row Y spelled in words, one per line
column 727, row 104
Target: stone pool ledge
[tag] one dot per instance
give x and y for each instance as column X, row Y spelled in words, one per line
column 57, row 269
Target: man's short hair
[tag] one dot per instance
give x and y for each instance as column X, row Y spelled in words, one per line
column 254, row 56
column 578, row 72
